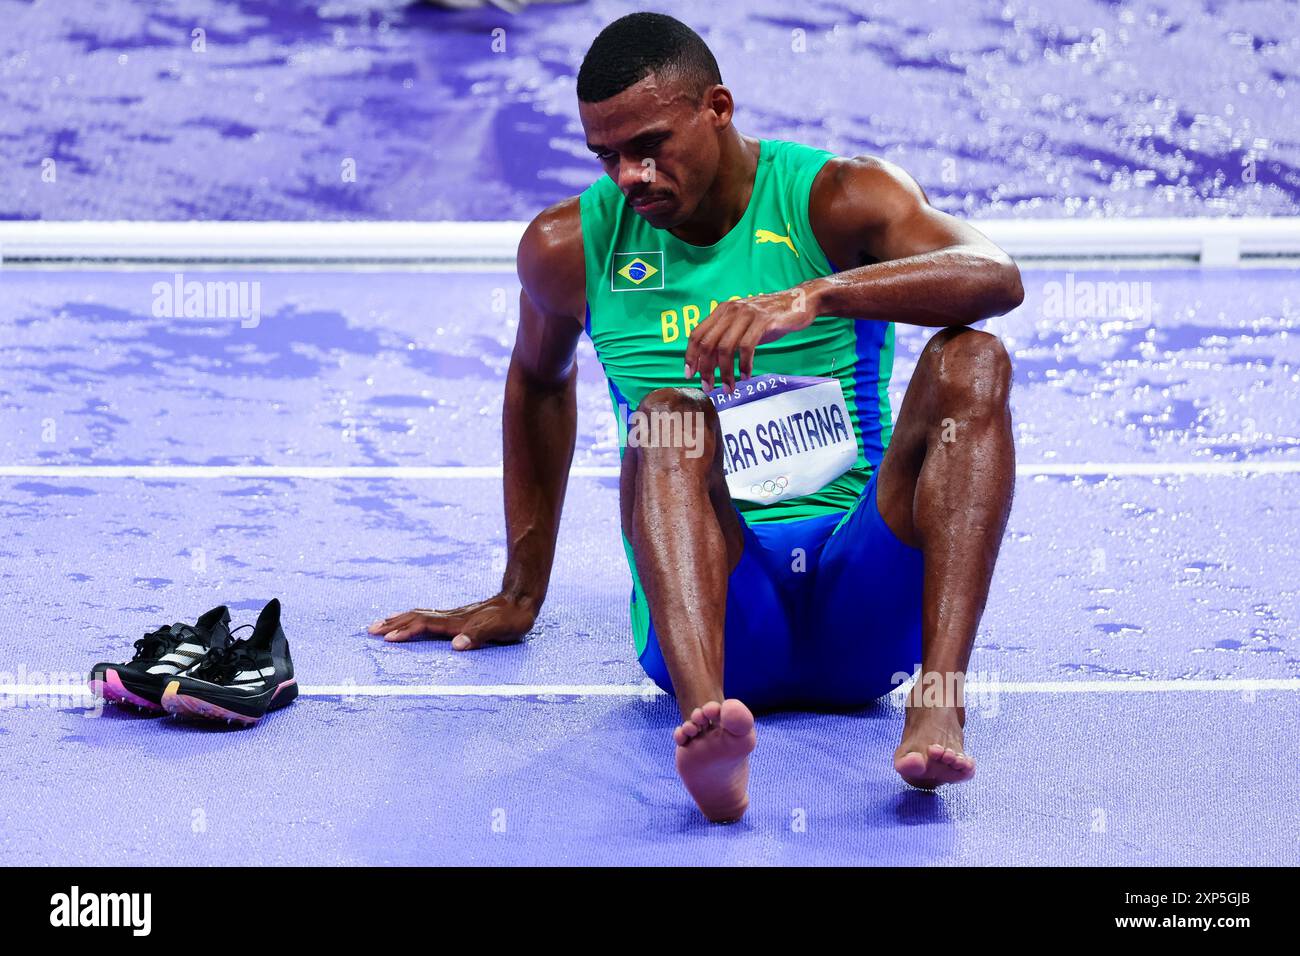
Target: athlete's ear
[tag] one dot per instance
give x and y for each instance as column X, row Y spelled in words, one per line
column 718, row 99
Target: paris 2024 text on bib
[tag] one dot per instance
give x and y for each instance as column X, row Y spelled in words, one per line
column 784, row 436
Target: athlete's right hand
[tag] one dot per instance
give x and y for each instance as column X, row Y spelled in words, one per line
column 498, row 620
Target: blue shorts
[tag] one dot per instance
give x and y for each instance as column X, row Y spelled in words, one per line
column 831, row 630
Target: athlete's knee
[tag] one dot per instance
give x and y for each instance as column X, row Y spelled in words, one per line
column 683, row 400
column 972, row 370
column 673, row 423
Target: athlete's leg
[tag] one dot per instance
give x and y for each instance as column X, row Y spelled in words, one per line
column 686, row 538
column 758, row 655
column 863, row 628
column 945, row 486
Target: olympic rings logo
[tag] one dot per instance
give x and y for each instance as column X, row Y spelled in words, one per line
column 770, row 488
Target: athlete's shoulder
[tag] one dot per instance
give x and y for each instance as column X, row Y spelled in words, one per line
column 869, row 184
column 550, row 259
column 788, row 152
column 555, row 233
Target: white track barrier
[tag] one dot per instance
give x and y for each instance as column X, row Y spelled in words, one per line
column 1213, row 242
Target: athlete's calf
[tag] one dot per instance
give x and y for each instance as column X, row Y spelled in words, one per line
column 686, row 539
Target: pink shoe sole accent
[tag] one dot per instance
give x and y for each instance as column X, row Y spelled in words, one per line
column 182, row 705
column 112, row 689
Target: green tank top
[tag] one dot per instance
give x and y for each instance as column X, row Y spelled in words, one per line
column 647, row 289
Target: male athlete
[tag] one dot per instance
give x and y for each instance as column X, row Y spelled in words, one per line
column 706, row 256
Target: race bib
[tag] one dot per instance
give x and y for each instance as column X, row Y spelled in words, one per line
column 784, row 436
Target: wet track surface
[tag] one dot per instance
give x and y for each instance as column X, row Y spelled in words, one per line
column 1128, row 579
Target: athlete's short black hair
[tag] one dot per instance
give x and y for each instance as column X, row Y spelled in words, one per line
column 634, row 46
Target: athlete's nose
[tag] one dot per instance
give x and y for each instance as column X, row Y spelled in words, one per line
column 632, row 179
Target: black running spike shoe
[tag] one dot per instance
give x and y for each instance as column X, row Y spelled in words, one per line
column 159, row 655
column 241, row 682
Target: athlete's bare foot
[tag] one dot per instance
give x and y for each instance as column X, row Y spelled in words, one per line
column 931, row 752
column 713, row 750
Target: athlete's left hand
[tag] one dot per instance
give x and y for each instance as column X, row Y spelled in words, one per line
column 737, row 327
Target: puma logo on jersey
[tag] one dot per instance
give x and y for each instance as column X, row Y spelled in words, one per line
column 767, row 235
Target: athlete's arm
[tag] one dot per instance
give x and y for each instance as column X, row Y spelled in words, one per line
column 539, row 424
column 540, row 420
column 902, row 261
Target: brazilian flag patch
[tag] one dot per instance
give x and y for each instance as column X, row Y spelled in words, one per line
column 637, row 270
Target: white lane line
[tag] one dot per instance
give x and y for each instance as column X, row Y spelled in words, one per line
column 467, row 472
column 1153, row 468
column 275, row 471
column 1233, row 686
column 389, row 690
column 481, row 690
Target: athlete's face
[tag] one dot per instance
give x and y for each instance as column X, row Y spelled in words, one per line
column 659, row 143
